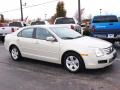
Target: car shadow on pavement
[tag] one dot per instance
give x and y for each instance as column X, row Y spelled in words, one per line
column 41, row 66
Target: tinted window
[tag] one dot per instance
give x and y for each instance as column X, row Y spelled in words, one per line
column 16, row 24
column 42, row 33
column 99, row 19
column 65, row 21
column 28, row 33
column 38, row 23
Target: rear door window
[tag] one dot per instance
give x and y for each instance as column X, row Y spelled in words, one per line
column 27, row 33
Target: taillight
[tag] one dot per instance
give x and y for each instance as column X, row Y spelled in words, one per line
column 1, row 25
column 93, row 29
column 13, row 30
column 72, row 27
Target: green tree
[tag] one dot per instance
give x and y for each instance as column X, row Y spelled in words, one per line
column 60, row 11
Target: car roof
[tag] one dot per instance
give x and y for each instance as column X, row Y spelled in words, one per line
column 103, row 15
column 44, row 26
column 63, row 17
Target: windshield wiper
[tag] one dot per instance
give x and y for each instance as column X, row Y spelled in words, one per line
column 71, row 37
column 77, row 37
column 67, row 38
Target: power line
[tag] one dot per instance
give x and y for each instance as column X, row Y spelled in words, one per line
column 30, row 6
column 41, row 4
column 21, row 9
column 10, row 10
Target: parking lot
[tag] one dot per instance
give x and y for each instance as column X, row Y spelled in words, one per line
column 36, row 75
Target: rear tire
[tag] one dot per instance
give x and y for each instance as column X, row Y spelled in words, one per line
column 15, row 53
column 73, row 62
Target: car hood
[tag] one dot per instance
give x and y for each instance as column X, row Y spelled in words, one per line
column 90, row 42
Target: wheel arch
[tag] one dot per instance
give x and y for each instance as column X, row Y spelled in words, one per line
column 69, row 51
column 12, row 45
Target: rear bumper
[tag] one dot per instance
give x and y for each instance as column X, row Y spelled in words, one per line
column 105, row 36
column 111, row 39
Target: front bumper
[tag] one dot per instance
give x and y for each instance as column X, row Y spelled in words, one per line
column 93, row 63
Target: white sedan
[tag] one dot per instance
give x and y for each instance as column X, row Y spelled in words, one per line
column 60, row 45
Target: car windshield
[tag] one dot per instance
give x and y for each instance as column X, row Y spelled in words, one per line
column 65, row 33
column 99, row 19
column 65, row 21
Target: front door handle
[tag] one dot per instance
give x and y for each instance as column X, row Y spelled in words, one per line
column 18, row 39
column 36, row 42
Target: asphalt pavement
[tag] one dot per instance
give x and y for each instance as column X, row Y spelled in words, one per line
column 36, row 75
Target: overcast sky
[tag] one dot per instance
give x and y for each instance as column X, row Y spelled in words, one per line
column 91, row 7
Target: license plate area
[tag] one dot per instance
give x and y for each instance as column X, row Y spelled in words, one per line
column 110, row 35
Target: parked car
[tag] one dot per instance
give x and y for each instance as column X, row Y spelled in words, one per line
column 17, row 24
column 60, row 45
column 39, row 23
column 105, row 27
column 9, row 28
column 68, row 22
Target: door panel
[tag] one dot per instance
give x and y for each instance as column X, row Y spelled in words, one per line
column 46, row 50
column 26, row 45
column 26, row 42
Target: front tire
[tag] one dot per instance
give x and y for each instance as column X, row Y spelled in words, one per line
column 73, row 62
column 15, row 53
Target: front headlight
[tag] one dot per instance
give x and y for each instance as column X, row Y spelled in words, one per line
column 99, row 52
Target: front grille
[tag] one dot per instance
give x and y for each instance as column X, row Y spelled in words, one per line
column 102, row 61
column 109, row 50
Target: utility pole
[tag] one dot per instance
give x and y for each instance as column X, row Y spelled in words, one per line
column 21, row 9
column 100, row 11
column 79, row 13
column 45, row 16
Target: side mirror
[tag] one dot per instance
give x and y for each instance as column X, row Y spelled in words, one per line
column 52, row 39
